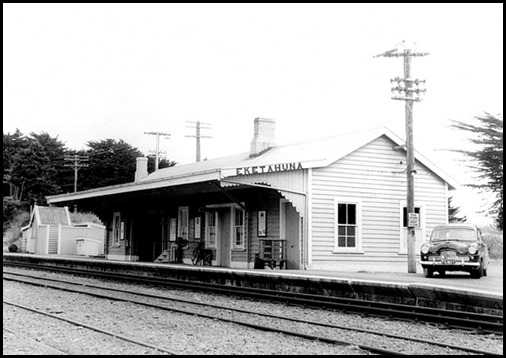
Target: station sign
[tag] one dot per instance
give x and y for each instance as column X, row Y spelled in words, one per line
column 265, row 169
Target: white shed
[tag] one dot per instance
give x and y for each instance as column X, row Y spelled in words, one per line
column 50, row 231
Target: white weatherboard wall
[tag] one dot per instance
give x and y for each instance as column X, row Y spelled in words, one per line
column 375, row 175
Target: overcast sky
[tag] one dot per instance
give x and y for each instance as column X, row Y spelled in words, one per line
column 92, row 71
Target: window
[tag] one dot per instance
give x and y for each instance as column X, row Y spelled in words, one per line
column 347, row 225
column 238, row 238
column 211, row 228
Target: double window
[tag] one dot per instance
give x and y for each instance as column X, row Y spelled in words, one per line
column 347, row 221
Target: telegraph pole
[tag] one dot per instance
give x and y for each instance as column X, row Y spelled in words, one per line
column 198, row 135
column 76, row 165
column 157, row 152
column 408, row 91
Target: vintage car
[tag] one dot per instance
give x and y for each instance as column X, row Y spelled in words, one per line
column 455, row 247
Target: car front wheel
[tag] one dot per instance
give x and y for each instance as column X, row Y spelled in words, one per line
column 478, row 272
column 427, row 272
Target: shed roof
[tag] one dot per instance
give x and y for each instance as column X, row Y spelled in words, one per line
column 52, row 215
column 49, row 215
column 311, row 154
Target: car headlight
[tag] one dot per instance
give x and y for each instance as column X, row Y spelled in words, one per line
column 424, row 249
column 472, row 250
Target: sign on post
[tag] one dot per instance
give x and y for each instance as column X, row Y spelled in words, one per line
column 413, row 220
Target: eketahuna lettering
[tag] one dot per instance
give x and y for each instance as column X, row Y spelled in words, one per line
column 262, row 169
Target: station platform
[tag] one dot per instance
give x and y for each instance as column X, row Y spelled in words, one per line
column 456, row 291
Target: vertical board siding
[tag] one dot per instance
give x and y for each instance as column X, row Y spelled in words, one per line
column 41, row 239
column 375, row 174
column 53, row 239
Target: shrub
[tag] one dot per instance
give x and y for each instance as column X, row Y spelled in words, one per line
column 83, row 217
column 494, row 240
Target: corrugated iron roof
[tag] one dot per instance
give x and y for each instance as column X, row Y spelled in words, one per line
column 314, row 153
column 53, row 215
column 311, row 154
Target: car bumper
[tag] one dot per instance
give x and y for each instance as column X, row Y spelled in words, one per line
column 457, row 263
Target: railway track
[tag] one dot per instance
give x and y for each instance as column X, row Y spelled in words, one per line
column 35, row 341
column 92, row 290
column 87, row 326
column 451, row 319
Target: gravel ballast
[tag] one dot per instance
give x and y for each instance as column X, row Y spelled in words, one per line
column 188, row 334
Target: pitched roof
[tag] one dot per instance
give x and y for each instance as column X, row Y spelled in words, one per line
column 314, row 153
column 311, row 154
column 49, row 215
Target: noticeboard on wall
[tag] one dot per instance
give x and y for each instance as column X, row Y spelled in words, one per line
column 262, row 223
column 197, row 227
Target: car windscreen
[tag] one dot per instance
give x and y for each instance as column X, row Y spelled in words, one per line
column 453, row 234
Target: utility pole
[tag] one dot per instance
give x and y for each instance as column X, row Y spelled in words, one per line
column 408, row 90
column 76, row 165
column 157, row 151
column 198, row 135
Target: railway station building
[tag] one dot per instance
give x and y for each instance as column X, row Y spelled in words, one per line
column 336, row 203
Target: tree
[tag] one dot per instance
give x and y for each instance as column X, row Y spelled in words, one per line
column 35, row 166
column 11, row 209
column 163, row 163
column 56, row 151
column 33, row 174
column 453, row 212
column 110, row 162
column 488, row 157
column 12, row 143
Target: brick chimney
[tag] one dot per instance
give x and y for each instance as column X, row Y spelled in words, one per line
column 264, row 137
column 141, row 170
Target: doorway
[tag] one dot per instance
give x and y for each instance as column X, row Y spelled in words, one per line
column 290, row 230
column 224, row 225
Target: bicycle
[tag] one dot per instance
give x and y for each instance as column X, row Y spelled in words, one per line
column 202, row 256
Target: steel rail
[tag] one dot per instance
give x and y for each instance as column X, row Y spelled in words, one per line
column 36, row 340
column 203, row 315
column 453, row 319
column 93, row 328
column 327, row 325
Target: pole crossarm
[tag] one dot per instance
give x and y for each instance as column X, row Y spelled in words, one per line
column 157, row 150
column 76, row 164
column 198, row 126
column 404, row 54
